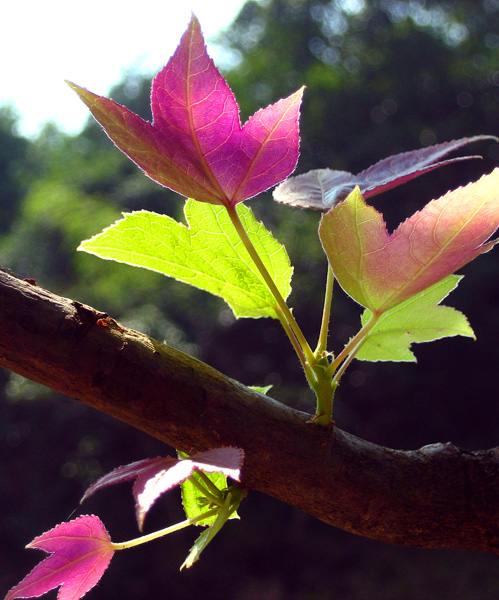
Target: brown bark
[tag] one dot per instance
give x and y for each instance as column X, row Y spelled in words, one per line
column 435, row 497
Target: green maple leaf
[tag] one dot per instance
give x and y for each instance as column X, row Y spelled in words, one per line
column 418, row 319
column 207, row 253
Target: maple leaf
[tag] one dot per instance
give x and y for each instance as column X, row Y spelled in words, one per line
column 207, row 254
column 380, row 270
column 195, row 144
column 421, row 318
column 154, row 476
column 323, row 188
column 81, row 551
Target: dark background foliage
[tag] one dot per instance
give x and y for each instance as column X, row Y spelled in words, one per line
column 382, row 77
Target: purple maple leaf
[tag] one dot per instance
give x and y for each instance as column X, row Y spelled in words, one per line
column 195, row 144
column 154, row 476
column 323, row 188
column 81, row 551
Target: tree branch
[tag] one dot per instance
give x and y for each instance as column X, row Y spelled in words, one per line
column 435, row 497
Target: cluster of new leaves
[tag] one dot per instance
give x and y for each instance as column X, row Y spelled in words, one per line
column 196, row 146
column 155, row 476
column 81, row 550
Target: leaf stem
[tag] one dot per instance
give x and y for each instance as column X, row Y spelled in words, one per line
column 348, row 353
column 324, row 392
column 326, row 313
column 212, row 497
column 344, row 366
column 284, row 308
column 162, row 532
column 293, row 340
column 209, row 483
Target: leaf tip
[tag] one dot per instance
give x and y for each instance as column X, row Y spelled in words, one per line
column 76, row 88
column 194, row 22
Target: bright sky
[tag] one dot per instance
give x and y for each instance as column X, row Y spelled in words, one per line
column 90, row 42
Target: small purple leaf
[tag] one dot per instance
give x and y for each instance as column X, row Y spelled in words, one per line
column 323, row 188
column 220, row 460
column 154, row 476
column 128, row 472
column 195, row 144
column 81, row 551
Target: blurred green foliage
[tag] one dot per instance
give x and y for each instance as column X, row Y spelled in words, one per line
column 382, row 77
column 13, row 154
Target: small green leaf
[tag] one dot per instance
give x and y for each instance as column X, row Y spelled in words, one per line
column 208, row 253
column 199, row 545
column 205, row 538
column 195, row 502
column 263, row 389
column 226, row 512
column 418, row 319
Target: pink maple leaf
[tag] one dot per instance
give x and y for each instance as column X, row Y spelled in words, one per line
column 380, row 270
column 195, row 144
column 81, row 551
column 154, row 476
